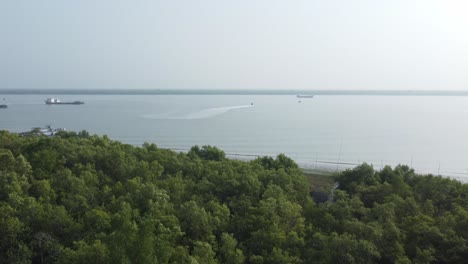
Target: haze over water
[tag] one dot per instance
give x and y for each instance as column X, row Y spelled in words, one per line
column 427, row 132
column 261, row 45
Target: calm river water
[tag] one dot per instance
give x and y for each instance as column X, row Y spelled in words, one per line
column 429, row 133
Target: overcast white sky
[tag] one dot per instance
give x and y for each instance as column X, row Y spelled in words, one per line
column 242, row 44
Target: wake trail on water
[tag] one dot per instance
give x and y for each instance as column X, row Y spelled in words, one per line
column 202, row 114
column 216, row 111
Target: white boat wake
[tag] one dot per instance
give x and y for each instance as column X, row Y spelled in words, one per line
column 216, row 111
column 202, row 114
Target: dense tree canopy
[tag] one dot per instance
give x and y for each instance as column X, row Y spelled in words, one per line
column 77, row 198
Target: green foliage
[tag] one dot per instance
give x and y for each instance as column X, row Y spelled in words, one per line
column 281, row 161
column 207, row 153
column 229, row 253
column 80, row 198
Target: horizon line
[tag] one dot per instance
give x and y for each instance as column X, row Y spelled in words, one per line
column 155, row 91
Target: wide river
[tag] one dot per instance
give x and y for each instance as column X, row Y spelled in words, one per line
column 429, row 133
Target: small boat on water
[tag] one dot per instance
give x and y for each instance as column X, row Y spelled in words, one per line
column 304, row 96
column 55, row 101
column 44, row 131
column 4, row 104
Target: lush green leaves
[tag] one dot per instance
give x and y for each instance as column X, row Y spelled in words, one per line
column 77, row 198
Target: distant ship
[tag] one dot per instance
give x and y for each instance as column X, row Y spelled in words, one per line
column 55, row 101
column 4, row 104
column 304, row 96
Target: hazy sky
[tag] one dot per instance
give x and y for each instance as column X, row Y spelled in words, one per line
column 245, row 44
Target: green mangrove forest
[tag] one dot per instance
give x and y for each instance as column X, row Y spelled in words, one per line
column 80, row 198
